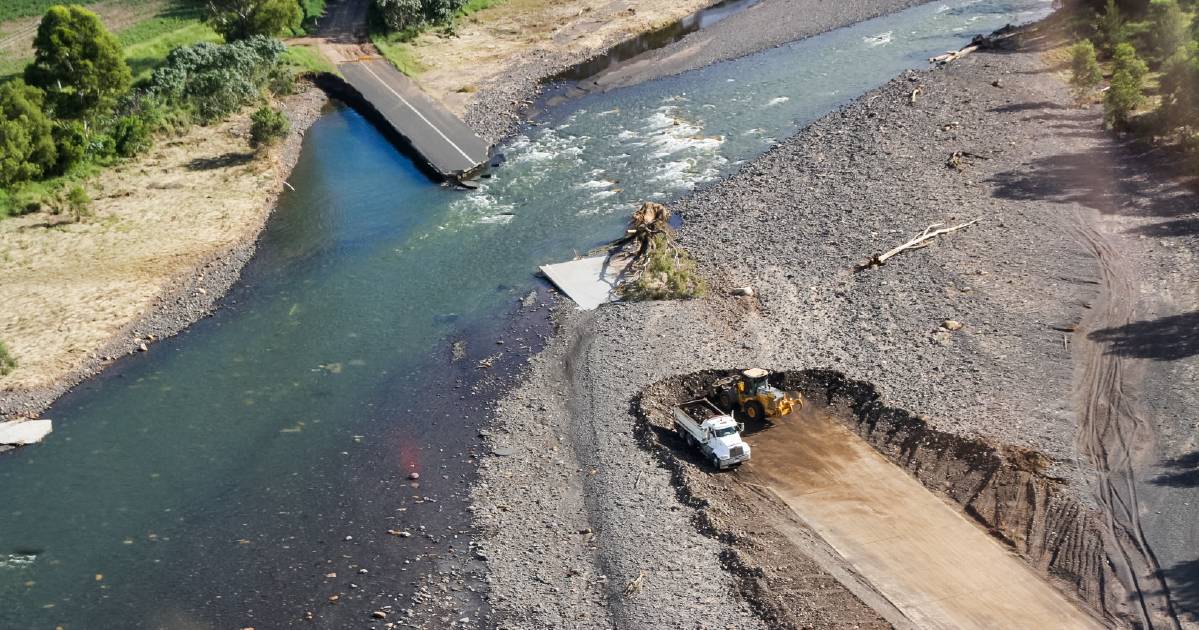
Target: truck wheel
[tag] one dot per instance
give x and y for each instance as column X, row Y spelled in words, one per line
column 755, row 411
column 716, row 463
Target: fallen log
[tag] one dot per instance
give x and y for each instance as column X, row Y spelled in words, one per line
column 953, row 55
column 917, row 242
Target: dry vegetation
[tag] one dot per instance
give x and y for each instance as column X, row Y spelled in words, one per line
column 490, row 43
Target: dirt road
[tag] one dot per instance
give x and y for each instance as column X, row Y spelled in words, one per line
column 939, row 569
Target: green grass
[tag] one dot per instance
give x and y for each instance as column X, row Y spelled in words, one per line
column 305, row 59
column 178, row 16
column 399, row 53
column 474, row 6
column 13, row 9
column 44, row 194
column 145, row 56
column 7, row 363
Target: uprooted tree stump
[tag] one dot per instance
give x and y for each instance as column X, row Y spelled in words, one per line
column 659, row 269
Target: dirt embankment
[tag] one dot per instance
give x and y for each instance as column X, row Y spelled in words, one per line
column 169, row 234
column 492, row 66
column 793, row 224
column 1004, row 489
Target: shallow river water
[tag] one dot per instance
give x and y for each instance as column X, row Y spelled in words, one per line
column 217, row 480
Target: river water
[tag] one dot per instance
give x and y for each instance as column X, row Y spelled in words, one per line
column 220, row 479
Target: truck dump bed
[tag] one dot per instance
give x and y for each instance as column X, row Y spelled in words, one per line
column 700, row 410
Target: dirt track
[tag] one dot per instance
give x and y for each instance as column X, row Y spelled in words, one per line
column 923, row 555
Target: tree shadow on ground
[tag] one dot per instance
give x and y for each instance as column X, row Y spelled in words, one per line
column 1110, row 178
column 1026, row 107
column 233, row 158
column 1167, row 229
column 1164, row 339
column 1183, row 579
column 1183, row 472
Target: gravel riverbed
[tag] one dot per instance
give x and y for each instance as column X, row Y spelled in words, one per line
column 582, row 526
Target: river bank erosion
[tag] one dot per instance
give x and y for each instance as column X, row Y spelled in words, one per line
column 378, row 418
column 991, row 352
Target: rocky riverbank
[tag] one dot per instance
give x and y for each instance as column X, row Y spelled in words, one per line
column 504, row 92
column 976, row 336
column 169, row 234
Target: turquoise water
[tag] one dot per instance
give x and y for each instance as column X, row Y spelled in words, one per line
column 215, row 481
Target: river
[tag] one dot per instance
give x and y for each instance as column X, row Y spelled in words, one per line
column 220, row 479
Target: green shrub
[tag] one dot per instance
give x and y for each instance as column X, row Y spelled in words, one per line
column 1126, row 91
column 71, row 140
column 243, row 19
column 399, row 15
column 216, row 80
column 77, row 62
column 1168, row 30
column 78, row 203
column 1085, row 74
column 7, row 362
column 27, row 149
column 669, row 274
column 131, row 136
column 1110, row 28
column 1180, row 89
column 267, row 126
column 440, row 11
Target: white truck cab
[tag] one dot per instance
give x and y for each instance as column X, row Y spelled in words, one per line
column 716, row 434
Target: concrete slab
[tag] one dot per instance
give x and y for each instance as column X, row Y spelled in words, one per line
column 588, row 281
column 19, row 432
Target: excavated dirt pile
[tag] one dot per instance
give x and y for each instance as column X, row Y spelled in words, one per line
column 1005, row 489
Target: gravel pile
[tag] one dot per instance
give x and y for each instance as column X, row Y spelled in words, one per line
column 582, row 525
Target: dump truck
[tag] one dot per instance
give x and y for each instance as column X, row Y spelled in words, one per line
column 716, row 434
column 751, row 393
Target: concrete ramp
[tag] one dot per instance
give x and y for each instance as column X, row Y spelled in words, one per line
column 20, row 433
column 448, row 146
column 588, row 281
column 939, row 569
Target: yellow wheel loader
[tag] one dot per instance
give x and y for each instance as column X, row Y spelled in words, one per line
column 751, row 393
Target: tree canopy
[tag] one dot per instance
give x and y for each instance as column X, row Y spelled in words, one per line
column 77, row 62
column 26, row 134
column 242, row 19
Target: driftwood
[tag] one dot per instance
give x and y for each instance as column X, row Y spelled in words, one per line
column 919, row 241
column 953, row 55
column 1002, row 39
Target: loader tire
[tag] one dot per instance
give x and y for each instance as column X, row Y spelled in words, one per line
column 755, row 411
column 727, row 400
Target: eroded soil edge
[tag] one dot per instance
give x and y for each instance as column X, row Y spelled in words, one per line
column 1004, row 489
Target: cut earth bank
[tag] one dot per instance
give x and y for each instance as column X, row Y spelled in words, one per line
column 592, row 519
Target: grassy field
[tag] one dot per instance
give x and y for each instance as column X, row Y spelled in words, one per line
column 399, row 53
column 13, row 9
column 307, row 59
column 147, row 37
column 146, row 55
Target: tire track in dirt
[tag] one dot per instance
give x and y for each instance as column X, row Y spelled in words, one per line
column 1114, row 435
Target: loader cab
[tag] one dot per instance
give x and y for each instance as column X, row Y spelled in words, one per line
column 753, row 381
